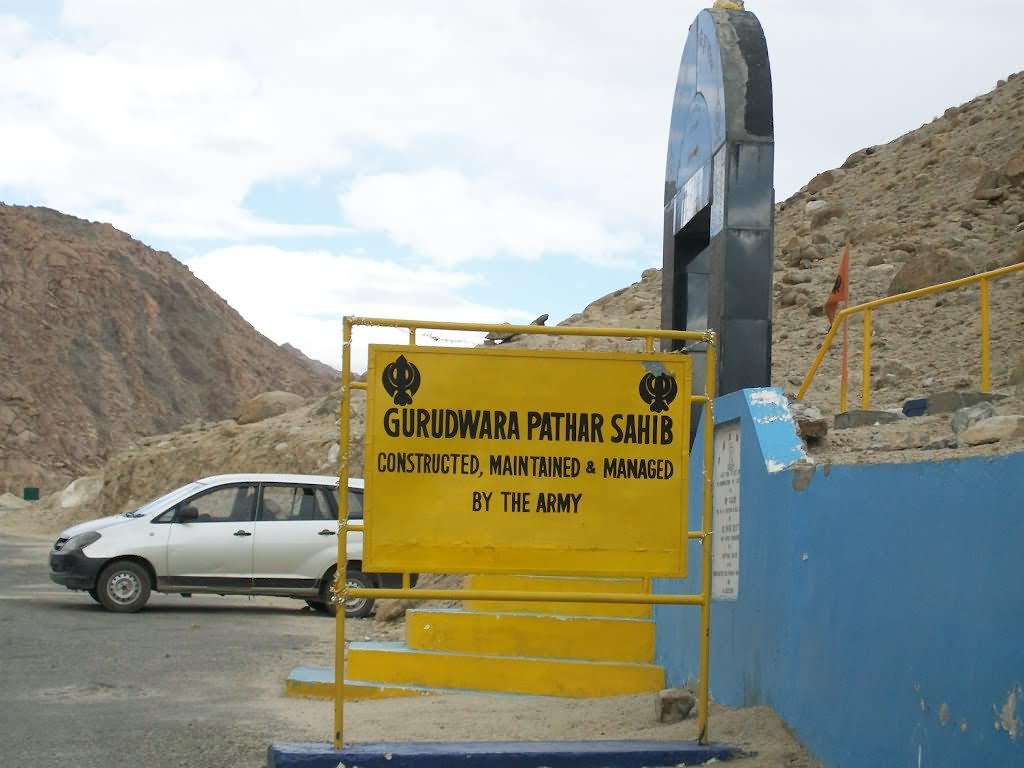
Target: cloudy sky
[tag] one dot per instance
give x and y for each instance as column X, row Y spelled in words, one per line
column 473, row 161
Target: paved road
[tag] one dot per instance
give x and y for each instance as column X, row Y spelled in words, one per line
column 187, row 682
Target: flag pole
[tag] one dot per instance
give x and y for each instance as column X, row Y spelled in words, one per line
column 844, row 269
column 844, row 369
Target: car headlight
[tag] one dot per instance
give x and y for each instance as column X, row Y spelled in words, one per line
column 81, row 541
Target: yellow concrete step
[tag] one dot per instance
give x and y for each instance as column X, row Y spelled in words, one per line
column 318, row 683
column 592, row 638
column 393, row 663
column 558, row 584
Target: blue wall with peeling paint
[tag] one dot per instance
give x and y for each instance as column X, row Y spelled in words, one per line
column 881, row 608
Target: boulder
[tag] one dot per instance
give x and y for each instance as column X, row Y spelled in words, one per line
column 268, row 404
column 950, row 402
column 81, row 491
column 824, row 215
column 930, row 268
column 852, row 419
column 821, row 182
column 1017, row 374
column 392, row 610
column 993, row 430
column 810, row 423
column 988, row 186
column 968, row 417
column 673, row 705
column 1014, row 168
column 858, row 157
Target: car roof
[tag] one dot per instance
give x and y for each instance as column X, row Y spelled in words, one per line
column 275, row 477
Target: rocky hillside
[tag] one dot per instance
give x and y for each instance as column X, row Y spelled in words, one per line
column 106, row 340
column 941, row 202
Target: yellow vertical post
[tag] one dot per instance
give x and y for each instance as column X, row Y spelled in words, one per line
column 344, row 409
column 706, row 529
column 647, row 583
column 843, row 378
column 986, row 384
column 865, row 384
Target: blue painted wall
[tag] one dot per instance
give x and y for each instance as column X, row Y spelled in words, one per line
column 881, row 607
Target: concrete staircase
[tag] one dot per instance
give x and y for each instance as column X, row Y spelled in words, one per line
column 546, row 649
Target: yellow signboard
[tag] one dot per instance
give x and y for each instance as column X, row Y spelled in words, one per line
column 549, row 462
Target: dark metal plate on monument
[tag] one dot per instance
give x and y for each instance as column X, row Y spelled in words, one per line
column 719, row 199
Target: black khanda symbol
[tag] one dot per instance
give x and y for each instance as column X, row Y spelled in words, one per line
column 658, row 391
column 401, row 379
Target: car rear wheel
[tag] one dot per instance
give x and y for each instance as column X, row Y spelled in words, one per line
column 123, row 587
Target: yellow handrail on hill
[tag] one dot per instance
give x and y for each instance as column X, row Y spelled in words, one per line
column 983, row 278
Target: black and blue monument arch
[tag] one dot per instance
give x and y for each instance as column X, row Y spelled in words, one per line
column 719, row 199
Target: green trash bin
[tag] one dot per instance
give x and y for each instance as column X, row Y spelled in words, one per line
column 31, row 494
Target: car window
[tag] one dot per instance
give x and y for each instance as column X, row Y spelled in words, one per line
column 293, row 502
column 355, row 504
column 329, row 504
column 228, row 504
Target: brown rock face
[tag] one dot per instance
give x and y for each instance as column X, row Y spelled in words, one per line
column 105, row 340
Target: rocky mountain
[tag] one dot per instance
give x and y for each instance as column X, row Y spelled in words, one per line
column 940, row 202
column 105, row 340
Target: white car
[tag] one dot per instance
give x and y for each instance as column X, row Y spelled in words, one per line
column 251, row 534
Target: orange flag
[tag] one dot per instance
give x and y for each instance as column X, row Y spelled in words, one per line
column 841, row 288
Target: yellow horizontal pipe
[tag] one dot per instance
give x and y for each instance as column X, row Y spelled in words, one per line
column 848, row 311
column 930, row 289
column 524, row 596
column 540, row 330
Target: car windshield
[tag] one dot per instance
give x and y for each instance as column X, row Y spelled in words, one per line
column 163, row 501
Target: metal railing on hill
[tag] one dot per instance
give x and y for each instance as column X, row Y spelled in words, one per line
column 867, row 308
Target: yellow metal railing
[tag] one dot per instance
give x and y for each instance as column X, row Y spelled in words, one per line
column 867, row 308
column 702, row 599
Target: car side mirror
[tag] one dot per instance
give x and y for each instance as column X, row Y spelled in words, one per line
column 187, row 515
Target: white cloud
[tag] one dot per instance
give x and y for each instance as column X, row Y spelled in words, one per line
column 15, row 33
column 450, row 219
column 161, row 116
column 301, row 297
column 142, row 115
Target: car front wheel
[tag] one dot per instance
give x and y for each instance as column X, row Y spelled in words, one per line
column 123, row 587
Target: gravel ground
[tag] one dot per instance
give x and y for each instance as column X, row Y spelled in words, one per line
column 200, row 683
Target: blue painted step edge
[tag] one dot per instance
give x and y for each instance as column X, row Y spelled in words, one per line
column 500, row 754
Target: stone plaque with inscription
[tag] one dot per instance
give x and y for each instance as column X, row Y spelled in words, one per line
column 725, row 560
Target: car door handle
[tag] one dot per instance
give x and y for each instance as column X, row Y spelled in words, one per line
column 242, row 533
column 326, row 532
